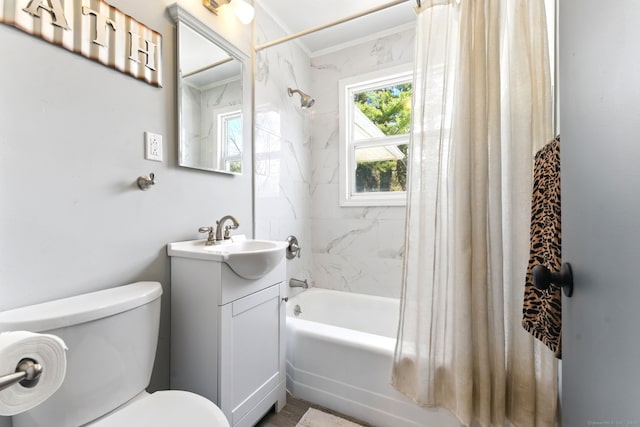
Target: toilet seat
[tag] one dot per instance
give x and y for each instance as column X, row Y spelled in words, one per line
column 167, row 408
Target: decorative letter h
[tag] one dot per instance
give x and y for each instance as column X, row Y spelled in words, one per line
column 135, row 48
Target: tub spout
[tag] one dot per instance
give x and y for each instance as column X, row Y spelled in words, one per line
column 296, row 283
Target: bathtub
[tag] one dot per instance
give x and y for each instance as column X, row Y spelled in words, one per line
column 339, row 355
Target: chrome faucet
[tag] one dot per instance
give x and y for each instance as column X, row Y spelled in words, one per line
column 220, row 223
column 218, row 237
column 297, row 283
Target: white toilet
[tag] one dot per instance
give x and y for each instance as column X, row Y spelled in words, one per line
column 112, row 337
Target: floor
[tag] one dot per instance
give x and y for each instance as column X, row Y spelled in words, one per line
column 293, row 412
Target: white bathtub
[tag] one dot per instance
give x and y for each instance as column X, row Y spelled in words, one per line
column 340, row 353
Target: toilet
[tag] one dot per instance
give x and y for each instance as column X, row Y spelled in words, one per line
column 112, row 337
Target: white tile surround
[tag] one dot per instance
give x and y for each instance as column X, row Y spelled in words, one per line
column 352, row 249
column 282, row 145
column 200, row 106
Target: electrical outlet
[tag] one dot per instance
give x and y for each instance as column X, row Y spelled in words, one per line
column 153, row 146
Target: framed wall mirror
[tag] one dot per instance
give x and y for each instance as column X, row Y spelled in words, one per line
column 212, row 98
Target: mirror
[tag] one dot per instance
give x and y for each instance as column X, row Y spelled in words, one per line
column 211, row 100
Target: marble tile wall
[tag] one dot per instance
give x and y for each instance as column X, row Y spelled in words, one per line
column 355, row 249
column 201, row 105
column 296, row 163
column 191, row 117
column 282, row 144
column 216, row 100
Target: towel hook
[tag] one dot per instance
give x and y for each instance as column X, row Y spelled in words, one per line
column 543, row 278
column 144, row 183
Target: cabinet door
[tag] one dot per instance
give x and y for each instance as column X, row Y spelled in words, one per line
column 250, row 351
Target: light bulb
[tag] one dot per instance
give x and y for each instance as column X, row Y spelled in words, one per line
column 243, row 10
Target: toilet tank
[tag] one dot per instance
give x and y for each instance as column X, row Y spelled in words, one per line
column 112, row 337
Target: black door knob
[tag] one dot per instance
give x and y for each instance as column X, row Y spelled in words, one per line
column 543, row 278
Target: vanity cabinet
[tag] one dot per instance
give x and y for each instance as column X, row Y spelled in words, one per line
column 227, row 337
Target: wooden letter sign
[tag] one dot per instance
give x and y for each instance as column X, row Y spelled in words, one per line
column 93, row 29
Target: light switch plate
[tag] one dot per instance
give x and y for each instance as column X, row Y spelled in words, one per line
column 153, row 146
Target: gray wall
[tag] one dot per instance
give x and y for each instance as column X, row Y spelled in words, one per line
column 600, row 75
column 71, row 148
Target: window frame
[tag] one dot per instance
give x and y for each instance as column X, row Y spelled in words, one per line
column 221, row 117
column 347, row 88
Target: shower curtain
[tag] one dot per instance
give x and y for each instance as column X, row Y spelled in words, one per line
column 481, row 109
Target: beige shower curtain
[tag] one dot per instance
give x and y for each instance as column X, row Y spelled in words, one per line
column 481, row 109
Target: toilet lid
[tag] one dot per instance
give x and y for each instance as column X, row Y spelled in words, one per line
column 168, row 408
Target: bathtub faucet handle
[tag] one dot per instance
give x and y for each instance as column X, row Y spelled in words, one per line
column 293, row 248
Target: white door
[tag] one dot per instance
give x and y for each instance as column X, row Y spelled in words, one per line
column 600, row 150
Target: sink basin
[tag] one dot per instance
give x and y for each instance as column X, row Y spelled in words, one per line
column 250, row 259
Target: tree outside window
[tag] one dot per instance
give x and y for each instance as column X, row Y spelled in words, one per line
column 375, row 124
column 389, row 109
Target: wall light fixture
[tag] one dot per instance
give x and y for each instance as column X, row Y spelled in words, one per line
column 243, row 10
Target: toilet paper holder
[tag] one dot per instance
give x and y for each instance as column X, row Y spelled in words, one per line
column 27, row 374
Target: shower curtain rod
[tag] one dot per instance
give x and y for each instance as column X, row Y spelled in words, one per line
column 208, row 67
column 331, row 24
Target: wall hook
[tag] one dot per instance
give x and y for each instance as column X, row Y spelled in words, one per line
column 543, row 278
column 145, row 182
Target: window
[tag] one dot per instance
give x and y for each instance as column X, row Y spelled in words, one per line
column 375, row 118
column 229, row 129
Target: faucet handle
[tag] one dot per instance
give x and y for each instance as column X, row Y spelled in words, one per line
column 210, row 238
column 227, row 228
column 293, row 248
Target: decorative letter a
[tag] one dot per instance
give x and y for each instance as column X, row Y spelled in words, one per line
column 53, row 7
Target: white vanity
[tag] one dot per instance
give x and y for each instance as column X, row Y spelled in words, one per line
column 227, row 331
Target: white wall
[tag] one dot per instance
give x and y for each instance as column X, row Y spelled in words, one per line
column 71, row 147
column 350, row 249
column 282, row 144
column 354, row 249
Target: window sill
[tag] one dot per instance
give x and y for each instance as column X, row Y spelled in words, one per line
column 375, row 199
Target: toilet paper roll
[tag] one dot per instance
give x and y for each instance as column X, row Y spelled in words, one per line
column 48, row 351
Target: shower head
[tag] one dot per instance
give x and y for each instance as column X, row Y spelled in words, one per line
column 305, row 100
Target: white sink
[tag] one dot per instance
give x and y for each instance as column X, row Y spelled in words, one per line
column 250, row 259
